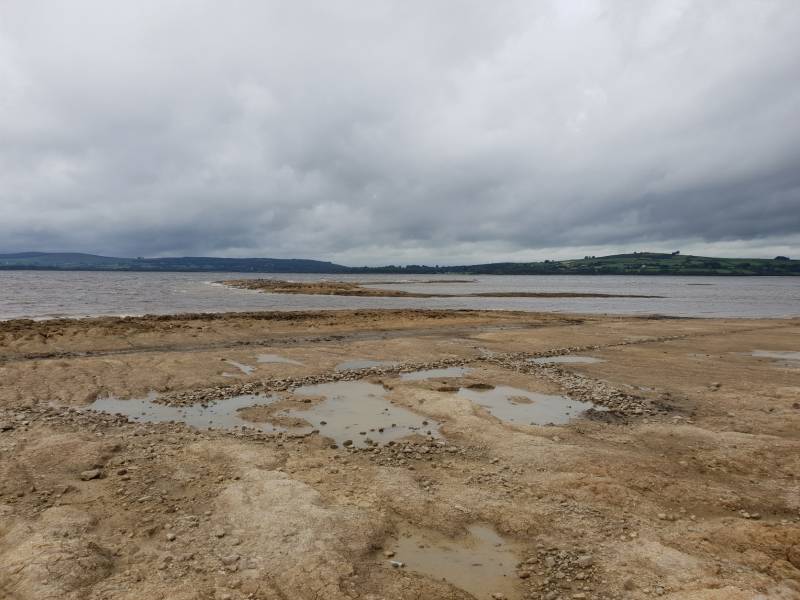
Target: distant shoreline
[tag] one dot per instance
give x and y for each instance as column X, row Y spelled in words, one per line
column 636, row 263
column 379, row 272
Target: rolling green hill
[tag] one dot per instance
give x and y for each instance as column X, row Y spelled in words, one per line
column 646, row 263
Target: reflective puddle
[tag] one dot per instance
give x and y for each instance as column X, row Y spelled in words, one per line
column 276, row 358
column 480, row 563
column 521, row 406
column 566, row 359
column 246, row 369
column 363, row 364
column 777, row 354
column 435, row 373
column 358, row 412
column 352, row 413
column 220, row 415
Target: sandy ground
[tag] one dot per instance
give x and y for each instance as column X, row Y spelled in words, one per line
column 686, row 488
column 348, row 288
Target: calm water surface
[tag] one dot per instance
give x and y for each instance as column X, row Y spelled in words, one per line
column 43, row 294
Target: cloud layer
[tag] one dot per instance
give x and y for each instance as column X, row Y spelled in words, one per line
column 390, row 131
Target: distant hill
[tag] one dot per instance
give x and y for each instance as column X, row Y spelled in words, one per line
column 646, row 263
column 63, row 261
column 638, row 263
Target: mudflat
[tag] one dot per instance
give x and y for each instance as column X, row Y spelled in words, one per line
column 348, row 288
column 454, row 465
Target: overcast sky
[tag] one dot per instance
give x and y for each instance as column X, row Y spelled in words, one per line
column 372, row 131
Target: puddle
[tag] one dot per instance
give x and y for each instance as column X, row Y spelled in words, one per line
column 352, row 410
column 276, row 358
column 435, row 373
column 521, row 406
column 246, row 369
column 221, row 415
column 480, row 563
column 364, row 364
column 776, row 354
column 359, row 411
column 566, row 359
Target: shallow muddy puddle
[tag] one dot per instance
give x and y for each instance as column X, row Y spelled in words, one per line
column 571, row 359
column 522, row 406
column 363, row 364
column 777, row 354
column 220, row 415
column 359, row 411
column 276, row 359
column 246, row 369
column 353, row 413
column 480, row 563
column 435, row 373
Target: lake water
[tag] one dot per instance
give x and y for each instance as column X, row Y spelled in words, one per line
column 47, row 294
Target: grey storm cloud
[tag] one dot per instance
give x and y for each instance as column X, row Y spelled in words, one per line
column 392, row 131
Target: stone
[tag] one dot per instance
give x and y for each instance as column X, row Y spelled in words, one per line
column 794, row 555
column 91, row 474
column 629, row 585
column 171, row 537
column 585, row 561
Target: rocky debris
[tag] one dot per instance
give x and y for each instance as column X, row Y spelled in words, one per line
column 209, row 395
column 405, row 454
column 576, row 386
column 749, row 515
column 552, row 573
column 91, row 474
